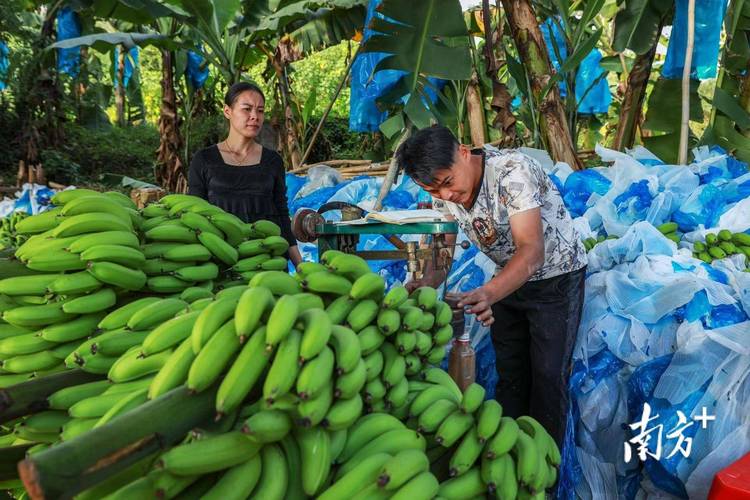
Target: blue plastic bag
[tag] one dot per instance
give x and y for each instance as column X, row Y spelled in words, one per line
column 579, row 186
column 196, row 71
column 3, row 64
column 592, row 89
column 68, row 26
column 131, row 62
column 293, row 185
column 556, row 47
column 709, row 16
column 486, row 372
column 704, row 207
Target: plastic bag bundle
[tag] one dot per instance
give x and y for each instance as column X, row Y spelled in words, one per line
column 196, row 71
column 68, row 26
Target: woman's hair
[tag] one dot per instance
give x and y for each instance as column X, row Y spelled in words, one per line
column 236, row 89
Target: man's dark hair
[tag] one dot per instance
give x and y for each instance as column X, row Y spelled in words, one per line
column 236, row 89
column 426, row 152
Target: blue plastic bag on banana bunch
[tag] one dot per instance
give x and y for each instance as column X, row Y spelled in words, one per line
column 578, row 188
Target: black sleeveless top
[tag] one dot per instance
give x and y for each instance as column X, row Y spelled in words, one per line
column 251, row 192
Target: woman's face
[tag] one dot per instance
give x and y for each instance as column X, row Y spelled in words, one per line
column 246, row 114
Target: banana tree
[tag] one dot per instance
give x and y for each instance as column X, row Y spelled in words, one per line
column 638, row 26
column 427, row 39
column 729, row 124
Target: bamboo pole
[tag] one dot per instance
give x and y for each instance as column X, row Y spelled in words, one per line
column 685, row 122
column 78, row 464
column 391, row 175
column 328, row 163
column 31, row 397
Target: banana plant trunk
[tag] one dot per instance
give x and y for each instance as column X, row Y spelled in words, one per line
column 291, row 136
column 475, row 112
column 504, row 120
column 120, row 88
column 527, row 35
column 632, row 102
column 170, row 172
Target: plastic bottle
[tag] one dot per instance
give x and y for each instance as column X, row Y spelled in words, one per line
column 462, row 358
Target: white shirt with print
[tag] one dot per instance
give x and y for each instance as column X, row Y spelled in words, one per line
column 514, row 182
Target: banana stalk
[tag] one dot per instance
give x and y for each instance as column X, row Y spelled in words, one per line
column 31, row 397
column 78, row 464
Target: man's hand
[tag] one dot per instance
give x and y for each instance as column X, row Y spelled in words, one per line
column 480, row 301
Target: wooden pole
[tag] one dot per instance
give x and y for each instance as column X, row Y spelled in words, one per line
column 685, row 122
column 390, row 177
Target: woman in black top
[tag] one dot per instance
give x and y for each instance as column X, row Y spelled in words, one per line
column 238, row 174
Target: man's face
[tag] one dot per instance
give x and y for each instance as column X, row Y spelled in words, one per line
column 456, row 184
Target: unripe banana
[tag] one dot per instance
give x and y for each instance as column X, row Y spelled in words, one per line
column 251, row 263
column 91, row 303
column 423, row 343
column 268, row 426
column 220, row 249
column 230, row 225
column 266, row 228
column 120, row 254
column 362, row 315
column 36, row 316
column 275, row 264
column 433, row 416
column 120, row 316
column 200, row 223
column 315, row 374
column 282, row 319
column 411, row 318
column 373, row 365
column 158, row 266
column 192, row 252
column 466, row 454
column 442, row 335
column 74, row 284
column 472, row 398
column 99, row 365
column 315, row 454
column 374, row 390
column 56, row 261
column 27, row 285
column 95, row 406
column 468, row 485
column 527, row 459
column 426, row 297
column 66, row 397
column 167, row 284
column 349, row 384
column 210, row 319
column 209, row 454
column 317, row 329
column 169, row 333
column 453, row 428
column 504, row 439
column 157, row 250
column 155, row 210
column 370, row 339
column 368, row 286
column 349, row 265
column 312, row 411
column 94, row 203
column 356, row 478
column 398, row 394
column 423, row 486
column 365, row 430
column 405, row 341
column 283, row 372
column 250, row 248
column 129, row 402
column 28, row 343
column 436, row 355
column 443, row 314
column 175, row 371
column 172, row 233
column 390, row 442
column 117, row 275
column 395, row 297
column 279, row 282
column 91, row 223
column 325, row 282
column 276, row 245
column 39, row 223
column 237, row 482
column 213, row 357
column 343, row 413
column 253, row 306
column 193, row 293
column 346, row 346
column 488, row 420
column 428, row 396
column 77, row 426
column 244, row 373
column 45, row 422
column 131, row 367
column 117, row 344
column 394, row 366
column 389, row 321
column 401, row 468
column 155, row 314
column 428, row 321
column 340, row 308
column 274, row 478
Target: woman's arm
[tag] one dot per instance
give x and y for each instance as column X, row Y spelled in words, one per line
column 197, row 182
column 280, row 201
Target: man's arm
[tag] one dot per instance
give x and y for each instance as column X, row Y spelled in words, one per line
column 528, row 237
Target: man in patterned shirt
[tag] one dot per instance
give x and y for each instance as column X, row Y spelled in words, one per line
column 505, row 203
